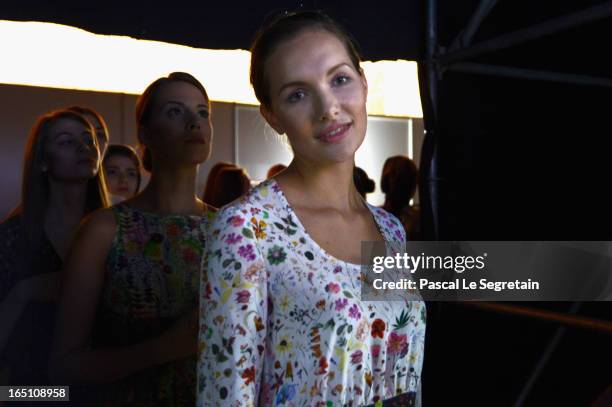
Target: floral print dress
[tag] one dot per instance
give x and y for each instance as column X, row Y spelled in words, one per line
column 152, row 279
column 282, row 323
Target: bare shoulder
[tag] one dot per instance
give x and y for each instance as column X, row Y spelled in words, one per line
column 90, row 247
column 98, row 227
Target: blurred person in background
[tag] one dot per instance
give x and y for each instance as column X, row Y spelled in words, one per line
column 211, row 179
column 230, row 184
column 123, row 171
column 399, row 182
column 363, row 183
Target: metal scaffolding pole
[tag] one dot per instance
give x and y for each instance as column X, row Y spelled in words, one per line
column 510, row 72
column 539, row 30
column 465, row 37
column 430, row 146
column 544, row 358
column 430, row 52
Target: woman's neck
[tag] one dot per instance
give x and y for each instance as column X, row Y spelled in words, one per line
column 171, row 190
column 64, row 213
column 316, row 186
column 66, row 202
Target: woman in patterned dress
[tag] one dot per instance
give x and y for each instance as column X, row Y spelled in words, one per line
column 128, row 314
column 282, row 322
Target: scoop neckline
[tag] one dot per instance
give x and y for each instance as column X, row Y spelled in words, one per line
column 299, row 223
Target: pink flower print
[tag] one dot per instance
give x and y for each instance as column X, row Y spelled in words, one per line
column 243, row 296
column 356, row 357
column 255, row 211
column 236, row 221
column 233, row 238
column 337, row 269
column 341, row 304
column 354, row 312
column 397, row 342
column 247, row 252
column 332, row 288
column 375, row 350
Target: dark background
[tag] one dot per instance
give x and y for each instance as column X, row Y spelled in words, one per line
column 519, row 160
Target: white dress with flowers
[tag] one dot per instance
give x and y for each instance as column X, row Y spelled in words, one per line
column 281, row 321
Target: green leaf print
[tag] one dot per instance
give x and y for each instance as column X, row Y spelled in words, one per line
column 227, row 262
column 401, row 321
column 279, row 225
column 247, row 233
column 347, row 294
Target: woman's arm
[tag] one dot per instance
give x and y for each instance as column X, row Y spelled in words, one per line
column 233, row 313
column 72, row 359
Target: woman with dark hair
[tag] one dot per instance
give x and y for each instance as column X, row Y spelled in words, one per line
column 363, row 183
column 230, row 184
column 123, row 170
column 211, row 181
column 399, row 183
column 61, row 184
column 99, row 124
column 128, row 313
column 282, row 320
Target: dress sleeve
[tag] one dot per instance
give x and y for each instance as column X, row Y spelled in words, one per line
column 233, row 312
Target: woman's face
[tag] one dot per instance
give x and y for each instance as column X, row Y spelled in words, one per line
column 317, row 98
column 70, row 151
column 101, row 135
column 121, row 176
column 179, row 132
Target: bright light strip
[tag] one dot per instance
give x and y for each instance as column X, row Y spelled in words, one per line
column 59, row 56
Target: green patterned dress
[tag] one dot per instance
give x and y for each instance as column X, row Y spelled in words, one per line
column 152, row 279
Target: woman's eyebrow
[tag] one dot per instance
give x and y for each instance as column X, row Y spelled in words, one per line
column 332, row 69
